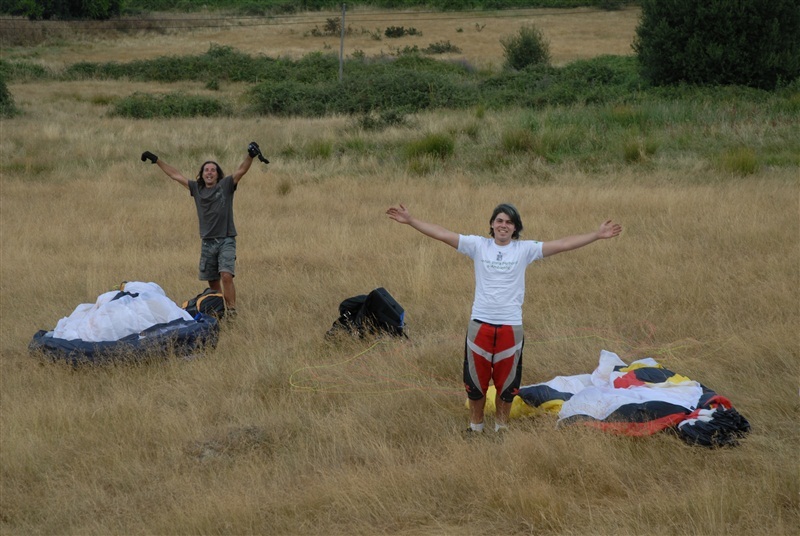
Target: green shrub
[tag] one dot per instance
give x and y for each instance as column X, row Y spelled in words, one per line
column 293, row 98
column 218, row 63
column 399, row 31
column 23, row 71
column 745, row 42
column 528, row 47
column 441, row 47
column 146, row 106
column 400, row 86
column 7, row 106
column 65, row 10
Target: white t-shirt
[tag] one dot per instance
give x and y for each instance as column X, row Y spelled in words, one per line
column 499, row 276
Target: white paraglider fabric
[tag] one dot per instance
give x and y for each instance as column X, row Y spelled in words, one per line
column 140, row 306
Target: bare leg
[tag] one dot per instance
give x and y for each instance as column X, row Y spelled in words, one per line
column 228, row 290
column 503, row 411
column 476, row 410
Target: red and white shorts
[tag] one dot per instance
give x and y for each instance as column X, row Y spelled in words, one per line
column 493, row 352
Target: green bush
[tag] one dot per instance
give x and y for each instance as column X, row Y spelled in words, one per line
column 528, row 47
column 597, row 80
column 745, row 42
column 146, row 106
column 218, row 63
column 404, row 85
column 441, row 47
column 7, row 106
column 293, row 98
column 23, row 71
column 64, row 10
column 399, row 31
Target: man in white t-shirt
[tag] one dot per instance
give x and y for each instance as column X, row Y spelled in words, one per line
column 493, row 349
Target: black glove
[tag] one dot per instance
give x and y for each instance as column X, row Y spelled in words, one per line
column 147, row 155
column 253, row 149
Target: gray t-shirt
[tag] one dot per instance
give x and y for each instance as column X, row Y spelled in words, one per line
column 215, row 208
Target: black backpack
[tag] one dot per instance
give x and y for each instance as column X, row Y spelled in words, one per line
column 209, row 302
column 376, row 313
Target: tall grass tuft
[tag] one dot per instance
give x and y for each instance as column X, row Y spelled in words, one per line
column 637, row 150
column 739, row 161
column 440, row 146
column 518, row 140
column 318, row 149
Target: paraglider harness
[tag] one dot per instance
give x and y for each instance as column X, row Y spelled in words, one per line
column 374, row 313
column 209, row 302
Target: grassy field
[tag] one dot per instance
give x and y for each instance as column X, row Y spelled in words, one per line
column 278, row 431
column 573, row 34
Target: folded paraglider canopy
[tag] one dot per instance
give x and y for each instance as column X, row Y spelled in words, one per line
column 137, row 319
column 639, row 399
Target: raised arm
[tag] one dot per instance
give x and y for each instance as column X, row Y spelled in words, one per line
column 171, row 172
column 253, row 150
column 400, row 214
column 242, row 169
column 608, row 229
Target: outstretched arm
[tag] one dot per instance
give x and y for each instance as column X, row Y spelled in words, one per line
column 253, row 150
column 171, row 172
column 400, row 214
column 242, row 169
column 608, row 229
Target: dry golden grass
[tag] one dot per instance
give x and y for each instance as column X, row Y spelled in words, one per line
column 573, row 34
column 277, row 431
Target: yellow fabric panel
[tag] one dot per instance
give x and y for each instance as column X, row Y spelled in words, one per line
column 677, row 378
column 638, row 366
column 518, row 407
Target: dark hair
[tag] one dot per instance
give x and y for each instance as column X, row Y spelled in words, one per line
column 200, row 182
column 512, row 212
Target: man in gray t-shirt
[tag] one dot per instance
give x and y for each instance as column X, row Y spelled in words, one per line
column 213, row 198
